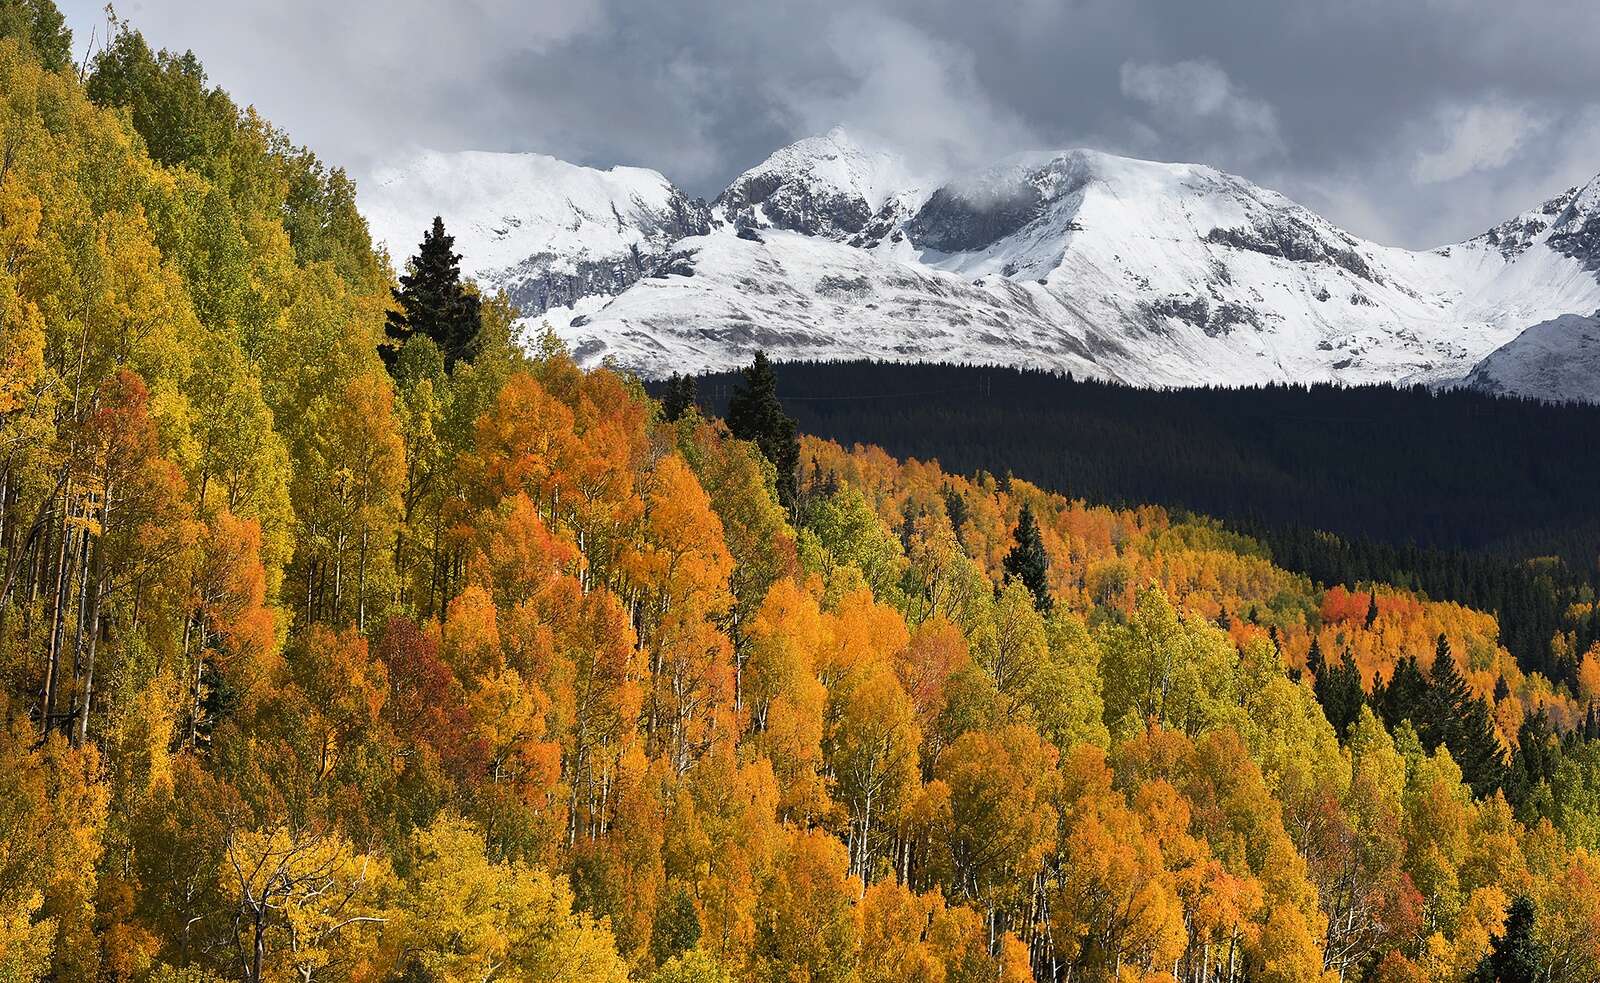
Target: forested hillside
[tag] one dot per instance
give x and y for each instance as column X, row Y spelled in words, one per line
column 1398, row 465
column 343, row 637
column 1467, row 497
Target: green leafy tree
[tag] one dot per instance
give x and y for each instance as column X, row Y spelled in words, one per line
column 434, row 301
column 676, row 928
column 182, row 120
column 41, row 26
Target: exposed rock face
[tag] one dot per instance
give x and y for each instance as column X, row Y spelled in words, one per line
column 828, row 186
column 1513, row 236
column 548, row 280
column 955, row 222
column 1576, row 234
column 767, row 199
column 1290, row 237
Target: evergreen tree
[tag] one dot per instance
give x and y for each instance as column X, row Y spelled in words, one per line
column 434, row 302
column 1338, row 689
column 1455, row 717
column 755, row 414
column 1516, row 956
column 680, row 397
column 1403, row 697
column 1536, row 759
column 1028, row 561
column 908, row 525
column 1372, row 608
column 1476, row 748
column 1447, row 696
column 1314, row 661
column 955, row 508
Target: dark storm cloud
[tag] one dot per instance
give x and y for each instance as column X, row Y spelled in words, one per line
column 1409, row 121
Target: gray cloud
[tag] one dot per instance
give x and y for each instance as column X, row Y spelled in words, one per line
column 1197, row 100
column 1415, row 123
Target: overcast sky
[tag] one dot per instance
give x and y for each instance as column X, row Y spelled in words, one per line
column 1414, row 122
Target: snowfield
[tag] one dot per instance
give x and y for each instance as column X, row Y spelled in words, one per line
column 1556, row 360
column 1149, row 273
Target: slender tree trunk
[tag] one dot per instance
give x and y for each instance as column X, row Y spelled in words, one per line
column 53, row 665
column 361, row 585
column 338, row 575
column 99, row 580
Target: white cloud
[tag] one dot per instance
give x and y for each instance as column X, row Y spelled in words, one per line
column 910, row 92
column 1479, row 137
column 1197, row 100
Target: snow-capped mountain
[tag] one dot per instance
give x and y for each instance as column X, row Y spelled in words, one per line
column 1149, row 273
column 1554, row 360
column 547, row 232
column 827, row 186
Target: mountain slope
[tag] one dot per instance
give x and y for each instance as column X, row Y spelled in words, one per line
column 548, row 232
column 1554, row 360
column 1149, row 273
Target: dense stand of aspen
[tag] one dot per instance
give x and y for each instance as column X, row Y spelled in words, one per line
column 318, row 668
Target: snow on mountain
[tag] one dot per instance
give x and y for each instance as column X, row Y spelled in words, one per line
column 829, row 185
column 1149, row 273
column 1554, row 360
column 547, row 232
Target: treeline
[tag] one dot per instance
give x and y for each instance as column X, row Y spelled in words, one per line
column 1397, row 465
column 1548, row 616
column 1456, row 494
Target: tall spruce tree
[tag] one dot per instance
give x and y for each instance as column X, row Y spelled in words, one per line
column 434, row 302
column 754, row 414
column 1460, row 720
column 1338, row 689
column 1028, row 561
column 1447, row 695
column 1536, row 758
column 955, row 508
column 1315, row 664
column 1516, row 956
column 1403, row 697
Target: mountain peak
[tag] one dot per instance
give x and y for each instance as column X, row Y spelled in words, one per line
column 821, row 185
